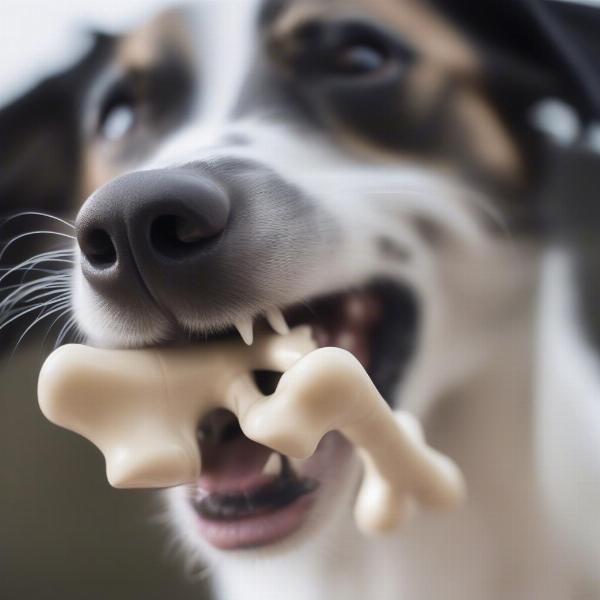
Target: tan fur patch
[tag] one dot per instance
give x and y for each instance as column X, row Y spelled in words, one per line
column 143, row 47
column 486, row 137
column 424, row 28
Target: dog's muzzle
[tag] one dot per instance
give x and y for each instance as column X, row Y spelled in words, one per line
column 206, row 239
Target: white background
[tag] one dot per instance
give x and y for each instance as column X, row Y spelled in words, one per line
column 41, row 36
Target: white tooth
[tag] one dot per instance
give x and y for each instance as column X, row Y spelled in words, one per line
column 246, row 329
column 277, row 321
column 273, row 465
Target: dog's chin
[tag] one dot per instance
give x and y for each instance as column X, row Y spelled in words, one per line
column 250, row 497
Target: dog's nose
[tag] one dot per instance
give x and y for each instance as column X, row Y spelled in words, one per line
column 143, row 223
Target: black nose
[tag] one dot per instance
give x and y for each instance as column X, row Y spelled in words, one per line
column 145, row 223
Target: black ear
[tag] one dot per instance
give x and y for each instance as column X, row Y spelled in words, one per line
column 583, row 22
column 40, row 138
column 573, row 216
column 534, row 48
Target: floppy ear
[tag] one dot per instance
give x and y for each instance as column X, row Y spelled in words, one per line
column 583, row 22
column 531, row 50
column 40, row 137
column 573, row 215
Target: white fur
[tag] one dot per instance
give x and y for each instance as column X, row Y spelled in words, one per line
column 568, row 416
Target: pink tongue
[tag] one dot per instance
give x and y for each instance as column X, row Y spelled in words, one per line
column 233, row 466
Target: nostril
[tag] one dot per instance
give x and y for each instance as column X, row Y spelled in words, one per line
column 99, row 249
column 177, row 237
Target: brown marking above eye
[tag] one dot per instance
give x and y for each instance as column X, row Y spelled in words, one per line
column 347, row 47
column 481, row 131
column 421, row 27
column 144, row 46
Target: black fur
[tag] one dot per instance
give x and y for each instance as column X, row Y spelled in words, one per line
column 40, row 151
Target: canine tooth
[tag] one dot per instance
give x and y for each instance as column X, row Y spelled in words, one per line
column 273, row 465
column 277, row 321
column 246, row 329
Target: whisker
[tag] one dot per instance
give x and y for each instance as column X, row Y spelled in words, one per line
column 29, row 269
column 44, row 290
column 51, row 276
column 53, row 256
column 29, row 234
column 24, row 289
column 22, row 265
column 29, row 213
column 37, row 262
column 61, row 315
column 21, row 314
column 67, row 327
column 49, row 260
column 22, row 310
column 55, row 293
column 65, row 307
column 55, row 252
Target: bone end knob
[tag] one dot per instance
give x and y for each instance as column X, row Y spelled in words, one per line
column 116, row 400
column 157, row 465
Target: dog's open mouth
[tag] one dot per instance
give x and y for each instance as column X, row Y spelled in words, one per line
column 250, row 496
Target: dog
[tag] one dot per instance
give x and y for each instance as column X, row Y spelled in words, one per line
column 377, row 169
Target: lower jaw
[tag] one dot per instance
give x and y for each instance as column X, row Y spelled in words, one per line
column 259, row 530
column 327, row 465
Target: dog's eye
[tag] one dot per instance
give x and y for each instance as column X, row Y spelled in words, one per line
column 118, row 114
column 343, row 49
column 359, row 59
column 119, row 121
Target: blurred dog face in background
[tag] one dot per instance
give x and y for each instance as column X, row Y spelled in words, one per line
column 245, row 160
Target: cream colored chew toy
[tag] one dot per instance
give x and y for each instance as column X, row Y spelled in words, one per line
column 142, row 409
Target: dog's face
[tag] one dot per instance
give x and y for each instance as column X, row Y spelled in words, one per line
column 342, row 163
